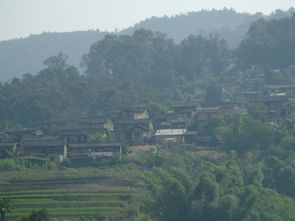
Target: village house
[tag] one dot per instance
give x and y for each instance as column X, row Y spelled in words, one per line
column 78, row 131
column 186, row 110
column 204, row 114
column 18, row 134
column 94, row 150
column 97, row 122
column 170, row 135
column 179, row 136
column 135, row 113
column 134, row 131
column 132, row 126
column 43, row 148
column 172, row 120
column 140, row 113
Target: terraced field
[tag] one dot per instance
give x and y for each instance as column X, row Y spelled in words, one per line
column 71, row 201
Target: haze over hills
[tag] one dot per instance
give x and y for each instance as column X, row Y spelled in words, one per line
column 21, row 56
column 26, row 55
column 229, row 24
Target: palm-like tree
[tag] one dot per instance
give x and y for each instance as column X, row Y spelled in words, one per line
column 5, row 207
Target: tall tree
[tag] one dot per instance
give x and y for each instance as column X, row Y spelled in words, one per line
column 213, row 94
column 269, row 43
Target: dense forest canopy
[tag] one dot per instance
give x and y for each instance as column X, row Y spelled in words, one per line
column 122, row 71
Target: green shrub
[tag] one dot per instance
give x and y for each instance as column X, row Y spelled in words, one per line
column 10, row 165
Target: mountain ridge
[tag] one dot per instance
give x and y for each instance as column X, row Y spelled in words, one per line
column 26, row 55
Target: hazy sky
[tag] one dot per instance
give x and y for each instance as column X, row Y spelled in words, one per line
column 19, row 18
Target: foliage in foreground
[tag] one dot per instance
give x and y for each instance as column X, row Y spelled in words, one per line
column 38, row 215
column 221, row 189
column 175, row 184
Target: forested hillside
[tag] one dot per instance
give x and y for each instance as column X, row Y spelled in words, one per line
column 25, row 55
column 122, row 71
column 231, row 25
column 146, row 68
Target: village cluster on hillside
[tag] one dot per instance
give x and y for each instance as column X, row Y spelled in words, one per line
column 105, row 135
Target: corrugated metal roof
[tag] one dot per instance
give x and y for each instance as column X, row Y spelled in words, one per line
column 206, row 109
column 93, row 145
column 170, row 132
